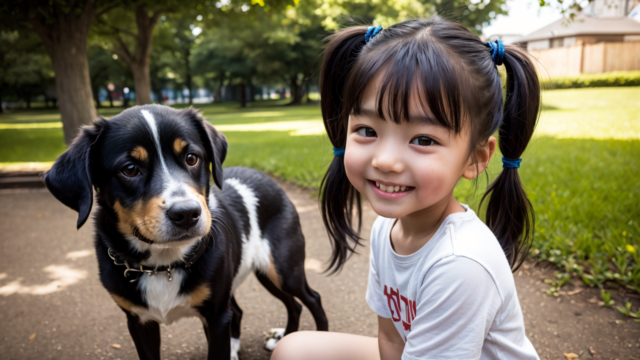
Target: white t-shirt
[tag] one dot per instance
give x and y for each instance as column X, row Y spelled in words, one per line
column 455, row 298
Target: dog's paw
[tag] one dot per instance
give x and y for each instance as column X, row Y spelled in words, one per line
column 273, row 337
column 235, row 347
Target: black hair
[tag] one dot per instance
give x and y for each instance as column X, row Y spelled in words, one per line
column 458, row 84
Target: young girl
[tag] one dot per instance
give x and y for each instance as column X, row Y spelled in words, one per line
column 410, row 110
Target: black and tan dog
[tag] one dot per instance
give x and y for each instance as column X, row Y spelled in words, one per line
column 168, row 244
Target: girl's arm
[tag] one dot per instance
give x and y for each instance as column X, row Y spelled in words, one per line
column 390, row 343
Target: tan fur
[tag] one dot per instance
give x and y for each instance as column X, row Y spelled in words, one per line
column 199, row 295
column 146, row 216
column 122, row 302
column 203, row 201
column 140, row 153
column 272, row 274
column 178, row 145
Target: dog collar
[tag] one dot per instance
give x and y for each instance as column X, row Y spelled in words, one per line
column 140, row 269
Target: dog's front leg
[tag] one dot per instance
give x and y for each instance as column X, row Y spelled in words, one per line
column 145, row 336
column 218, row 330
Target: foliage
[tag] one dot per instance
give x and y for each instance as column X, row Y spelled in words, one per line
column 25, row 69
column 610, row 79
column 626, row 310
column 606, row 298
column 472, row 13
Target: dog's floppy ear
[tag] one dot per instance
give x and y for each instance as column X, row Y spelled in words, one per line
column 69, row 179
column 214, row 142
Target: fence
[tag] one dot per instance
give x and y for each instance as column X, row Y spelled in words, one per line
column 589, row 58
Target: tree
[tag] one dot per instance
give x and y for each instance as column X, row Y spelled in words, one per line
column 130, row 27
column 25, row 69
column 62, row 25
column 226, row 52
column 104, row 68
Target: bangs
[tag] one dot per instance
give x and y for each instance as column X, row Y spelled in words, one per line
column 415, row 69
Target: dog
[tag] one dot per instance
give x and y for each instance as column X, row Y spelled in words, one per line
column 169, row 244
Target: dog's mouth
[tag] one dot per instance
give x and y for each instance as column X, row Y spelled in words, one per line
column 136, row 232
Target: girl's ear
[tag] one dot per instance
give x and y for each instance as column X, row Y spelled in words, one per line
column 483, row 155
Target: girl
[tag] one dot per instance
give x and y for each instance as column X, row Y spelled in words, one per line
column 410, row 110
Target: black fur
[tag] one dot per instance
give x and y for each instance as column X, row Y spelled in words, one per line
column 96, row 159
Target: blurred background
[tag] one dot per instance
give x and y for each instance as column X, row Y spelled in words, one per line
column 251, row 67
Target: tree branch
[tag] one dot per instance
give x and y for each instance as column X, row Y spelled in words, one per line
column 106, row 9
column 124, row 51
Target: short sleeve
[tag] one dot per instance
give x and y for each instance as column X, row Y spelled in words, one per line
column 456, row 306
column 375, row 293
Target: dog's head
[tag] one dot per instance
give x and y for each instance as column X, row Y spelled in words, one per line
column 150, row 165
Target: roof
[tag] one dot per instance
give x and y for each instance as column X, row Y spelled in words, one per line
column 585, row 25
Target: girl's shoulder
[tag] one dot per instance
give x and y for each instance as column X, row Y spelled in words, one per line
column 470, row 238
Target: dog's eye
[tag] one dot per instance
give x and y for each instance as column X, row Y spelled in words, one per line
column 130, row 170
column 192, row 159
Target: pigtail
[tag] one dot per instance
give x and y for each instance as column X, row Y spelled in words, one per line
column 338, row 198
column 509, row 212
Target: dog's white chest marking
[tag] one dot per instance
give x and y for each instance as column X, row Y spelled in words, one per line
column 256, row 253
column 166, row 304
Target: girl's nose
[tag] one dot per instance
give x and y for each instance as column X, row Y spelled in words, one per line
column 387, row 159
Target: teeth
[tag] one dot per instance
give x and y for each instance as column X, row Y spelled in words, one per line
column 390, row 189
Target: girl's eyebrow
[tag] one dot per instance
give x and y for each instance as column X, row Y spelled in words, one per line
column 422, row 118
column 369, row 113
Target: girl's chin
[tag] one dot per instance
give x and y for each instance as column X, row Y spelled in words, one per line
column 391, row 211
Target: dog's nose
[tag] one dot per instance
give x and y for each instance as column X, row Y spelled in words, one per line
column 184, row 214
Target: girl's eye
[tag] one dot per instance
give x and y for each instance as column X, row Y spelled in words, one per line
column 192, row 159
column 423, row 141
column 367, row 132
column 130, row 170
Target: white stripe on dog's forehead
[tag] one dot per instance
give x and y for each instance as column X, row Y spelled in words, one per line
column 151, row 121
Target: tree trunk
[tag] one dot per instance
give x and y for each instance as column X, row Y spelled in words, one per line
column 141, row 82
column 1, row 92
column 243, row 95
column 188, row 77
column 219, row 89
column 66, row 43
column 296, row 97
column 96, row 97
column 138, row 61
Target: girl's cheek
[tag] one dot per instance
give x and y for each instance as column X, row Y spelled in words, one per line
column 432, row 183
column 355, row 161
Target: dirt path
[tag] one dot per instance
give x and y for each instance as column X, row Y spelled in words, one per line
column 52, row 305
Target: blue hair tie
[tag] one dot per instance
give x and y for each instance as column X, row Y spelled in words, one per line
column 371, row 32
column 510, row 163
column 338, row 152
column 497, row 51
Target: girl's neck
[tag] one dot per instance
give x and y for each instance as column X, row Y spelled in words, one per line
column 413, row 231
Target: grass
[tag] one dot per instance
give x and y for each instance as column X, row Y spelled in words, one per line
column 580, row 170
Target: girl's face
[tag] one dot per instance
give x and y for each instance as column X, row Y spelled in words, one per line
column 408, row 167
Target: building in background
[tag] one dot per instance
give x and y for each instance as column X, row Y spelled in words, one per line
column 602, row 38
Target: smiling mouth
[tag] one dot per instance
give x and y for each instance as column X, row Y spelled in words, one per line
column 392, row 189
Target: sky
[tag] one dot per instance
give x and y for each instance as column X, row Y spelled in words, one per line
column 525, row 17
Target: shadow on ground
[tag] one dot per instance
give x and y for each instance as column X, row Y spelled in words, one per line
column 52, row 305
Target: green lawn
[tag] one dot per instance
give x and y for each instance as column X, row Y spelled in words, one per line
column 580, row 170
